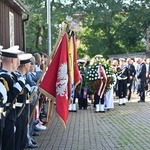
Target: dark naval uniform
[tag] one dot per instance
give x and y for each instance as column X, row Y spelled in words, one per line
column 123, row 80
column 8, row 140
column 22, row 117
column 10, row 57
column 3, row 100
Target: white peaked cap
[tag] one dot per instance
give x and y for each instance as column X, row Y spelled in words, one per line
column 16, row 47
column 81, row 60
column 99, row 56
column 11, row 52
column 25, row 58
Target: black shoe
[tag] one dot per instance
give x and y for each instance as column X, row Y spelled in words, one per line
column 140, row 101
column 123, row 103
column 101, row 111
column 35, row 134
column 74, row 110
column 96, row 111
column 34, row 141
column 33, row 146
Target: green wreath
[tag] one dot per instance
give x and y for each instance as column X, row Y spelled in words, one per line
column 92, row 79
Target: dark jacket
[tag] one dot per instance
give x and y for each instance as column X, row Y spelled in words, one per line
column 141, row 72
column 131, row 70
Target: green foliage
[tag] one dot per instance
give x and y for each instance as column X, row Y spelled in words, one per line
column 109, row 26
column 92, row 77
column 116, row 27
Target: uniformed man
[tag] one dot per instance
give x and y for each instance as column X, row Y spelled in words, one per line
column 123, row 80
column 99, row 96
column 10, row 62
column 3, row 100
column 22, row 105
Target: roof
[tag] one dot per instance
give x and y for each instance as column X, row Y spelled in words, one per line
column 22, row 6
column 17, row 4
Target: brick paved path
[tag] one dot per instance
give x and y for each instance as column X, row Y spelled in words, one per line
column 123, row 128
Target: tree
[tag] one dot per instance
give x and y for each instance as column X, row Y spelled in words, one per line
column 114, row 27
column 109, row 26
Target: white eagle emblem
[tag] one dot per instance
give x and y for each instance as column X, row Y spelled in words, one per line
column 62, row 80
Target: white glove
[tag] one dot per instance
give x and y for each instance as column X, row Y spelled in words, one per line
column 128, row 84
column 34, row 89
column 28, row 87
column 3, row 93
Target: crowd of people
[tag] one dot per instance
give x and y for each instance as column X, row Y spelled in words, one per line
column 22, row 110
column 131, row 75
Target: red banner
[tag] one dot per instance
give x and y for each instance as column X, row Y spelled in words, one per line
column 55, row 80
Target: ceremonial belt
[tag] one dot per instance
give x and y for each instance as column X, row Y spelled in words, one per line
column 19, row 104
column 120, row 78
column 22, row 108
column 1, row 109
column 9, row 104
column 22, row 105
column 2, row 112
column 27, row 101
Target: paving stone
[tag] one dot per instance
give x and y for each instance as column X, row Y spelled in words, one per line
column 123, row 128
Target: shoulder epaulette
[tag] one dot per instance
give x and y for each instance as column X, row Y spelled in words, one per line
column 5, row 83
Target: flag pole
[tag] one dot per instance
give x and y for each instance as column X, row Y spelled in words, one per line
column 49, row 25
column 61, row 33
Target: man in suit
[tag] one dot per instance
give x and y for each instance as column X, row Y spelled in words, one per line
column 141, row 76
column 132, row 72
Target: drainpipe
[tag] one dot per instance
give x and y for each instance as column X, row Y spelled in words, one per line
column 24, row 33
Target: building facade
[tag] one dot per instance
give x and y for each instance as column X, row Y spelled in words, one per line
column 13, row 15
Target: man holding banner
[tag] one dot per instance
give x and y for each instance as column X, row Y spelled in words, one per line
column 60, row 85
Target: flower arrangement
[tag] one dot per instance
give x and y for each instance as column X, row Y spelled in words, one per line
column 92, row 79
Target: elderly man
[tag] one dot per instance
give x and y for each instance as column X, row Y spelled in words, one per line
column 141, row 76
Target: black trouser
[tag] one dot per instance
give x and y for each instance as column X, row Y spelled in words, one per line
column 82, row 103
column 8, row 140
column 20, row 122
column 98, row 100
column 122, row 88
column 130, row 89
column 2, row 124
column 141, row 87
